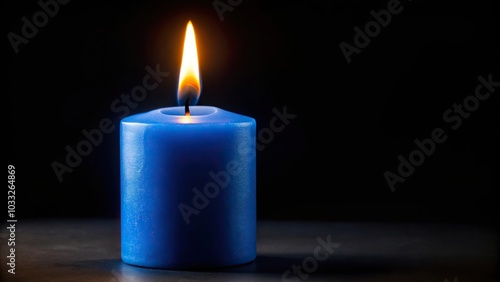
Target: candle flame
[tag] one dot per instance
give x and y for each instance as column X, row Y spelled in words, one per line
column 189, row 77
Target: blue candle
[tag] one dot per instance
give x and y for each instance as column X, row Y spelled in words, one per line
column 188, row 190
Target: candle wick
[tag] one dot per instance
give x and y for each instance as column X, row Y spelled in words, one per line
column 186, row 107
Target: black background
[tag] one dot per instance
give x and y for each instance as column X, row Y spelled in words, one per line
column 352, row 119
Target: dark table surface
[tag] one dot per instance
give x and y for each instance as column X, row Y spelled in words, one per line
column 89, row 250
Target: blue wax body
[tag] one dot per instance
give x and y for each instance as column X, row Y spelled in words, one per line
column 188, row 188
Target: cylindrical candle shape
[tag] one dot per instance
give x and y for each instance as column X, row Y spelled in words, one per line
column 188, row 188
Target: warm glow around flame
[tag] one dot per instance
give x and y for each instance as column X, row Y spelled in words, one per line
column 189, row 77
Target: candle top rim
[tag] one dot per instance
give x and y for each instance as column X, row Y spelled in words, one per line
column 199, row 115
